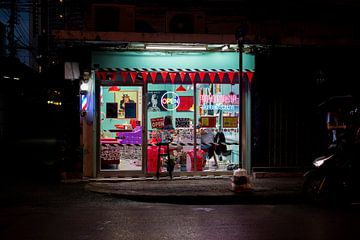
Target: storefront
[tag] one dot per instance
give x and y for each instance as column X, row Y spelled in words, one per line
column 189, row 99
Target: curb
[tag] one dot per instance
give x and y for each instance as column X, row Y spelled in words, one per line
column 257, row 195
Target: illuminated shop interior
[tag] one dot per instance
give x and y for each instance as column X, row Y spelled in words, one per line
column 197, row 90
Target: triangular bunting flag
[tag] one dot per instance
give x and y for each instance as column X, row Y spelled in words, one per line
column 113, row 76
column 153, row 76
column 192, row 76
column 212, row 76
column 102, row 75
column 133, row 76
column 164, row 75
column 172, row 77
column 124, row 75
column 250, row 76
column 221, row 76
column 182, row 76
column 202, row 75
column 98, row 75
column 144, row 75
column 231, row 76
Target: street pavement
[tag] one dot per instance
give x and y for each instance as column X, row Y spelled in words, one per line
column 202, row 189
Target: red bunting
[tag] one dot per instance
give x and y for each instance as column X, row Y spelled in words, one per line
column 153, row 76
column 144, row 75
column 192, row 76
column 172, row 77
column 250, row 76
column 113, row 76
column 124, row 75
column 231, row 76
column 212, row 76
column 182, row 76
column 221, row 76
column 101, row 75
column 133, row 76
column 164, row 75
column 202, row 75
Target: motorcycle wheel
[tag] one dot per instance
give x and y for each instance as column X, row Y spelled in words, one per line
column 319, row 190
column 315, row 189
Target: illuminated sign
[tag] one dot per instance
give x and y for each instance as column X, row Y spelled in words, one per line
column 228, row 108
column 223, row 99
column 170, row 101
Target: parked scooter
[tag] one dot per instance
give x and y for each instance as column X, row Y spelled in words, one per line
column 333, row 176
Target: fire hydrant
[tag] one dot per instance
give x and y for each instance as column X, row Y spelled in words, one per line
column 240, row 181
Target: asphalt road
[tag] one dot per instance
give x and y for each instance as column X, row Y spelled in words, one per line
column 67, row 211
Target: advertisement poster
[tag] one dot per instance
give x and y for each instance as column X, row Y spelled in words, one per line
column 182, row 122
column 208, row 122
column 230, row 122
column 186, row 104
column 154, row 101
column 126, row 101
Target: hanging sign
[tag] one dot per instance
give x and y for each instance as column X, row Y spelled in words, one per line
column 157, row 123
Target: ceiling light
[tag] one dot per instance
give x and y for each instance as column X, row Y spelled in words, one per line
column 175, row 47
column 225, row 48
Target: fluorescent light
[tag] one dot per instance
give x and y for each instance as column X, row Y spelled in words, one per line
column 225, row 48
column 175, row 47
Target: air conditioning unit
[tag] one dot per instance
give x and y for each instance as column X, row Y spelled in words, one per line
column 111, row 18
column 185, row 22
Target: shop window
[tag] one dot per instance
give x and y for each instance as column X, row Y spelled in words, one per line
column 121, row 128
column 217, row 114
column 170, row 108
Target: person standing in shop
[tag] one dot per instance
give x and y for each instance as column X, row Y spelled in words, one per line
column 207, row 143
column 169, row 129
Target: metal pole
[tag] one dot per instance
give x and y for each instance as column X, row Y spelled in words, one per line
column 239, row 34
column 241, row 104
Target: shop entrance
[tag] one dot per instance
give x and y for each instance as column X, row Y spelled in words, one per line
column 121, row 128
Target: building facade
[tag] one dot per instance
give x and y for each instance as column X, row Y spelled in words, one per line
column 210, row 23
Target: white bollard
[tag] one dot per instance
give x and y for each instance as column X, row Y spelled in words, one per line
column 240, row 181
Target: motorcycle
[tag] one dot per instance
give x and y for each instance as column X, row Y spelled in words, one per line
column 332, row 179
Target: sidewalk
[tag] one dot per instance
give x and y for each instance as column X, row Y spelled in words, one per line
column 201, row 189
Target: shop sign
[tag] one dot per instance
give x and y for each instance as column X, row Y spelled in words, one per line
column 157, row 123
column 170, row 101
column 227, row 108
column 230, row 122
column 222, row 99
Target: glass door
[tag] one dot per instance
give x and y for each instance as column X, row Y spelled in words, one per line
column 121, row 128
